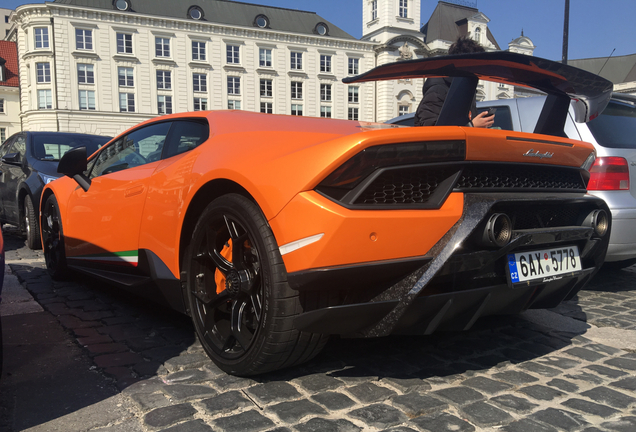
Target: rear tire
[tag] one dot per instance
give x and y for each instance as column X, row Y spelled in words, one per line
column 53, row 240
column 31, row 225
column 246, row 325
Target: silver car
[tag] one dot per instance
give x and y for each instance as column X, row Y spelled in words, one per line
column 613, row 175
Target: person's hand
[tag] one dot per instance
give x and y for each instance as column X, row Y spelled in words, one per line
column 483, row 121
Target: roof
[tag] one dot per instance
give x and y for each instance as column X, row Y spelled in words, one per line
column 620, row 69
column 9, row 53
column 448, row 23
column 227, row 12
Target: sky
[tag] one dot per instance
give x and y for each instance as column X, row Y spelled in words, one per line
column 596, row 28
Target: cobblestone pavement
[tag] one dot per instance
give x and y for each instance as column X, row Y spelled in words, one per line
column 507, row 373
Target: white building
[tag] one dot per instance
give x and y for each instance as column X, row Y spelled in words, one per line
column 101, row 66
column 9, row 90
column 4, row 22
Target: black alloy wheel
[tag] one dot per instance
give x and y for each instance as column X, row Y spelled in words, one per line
column 53, row 240
column 240, row 302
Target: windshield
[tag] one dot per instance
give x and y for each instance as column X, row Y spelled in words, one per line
column 51, row 147
column 616, row 126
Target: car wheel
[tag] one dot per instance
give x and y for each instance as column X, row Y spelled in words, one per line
column 53, row 240
column 238, row 296
column 31, row 225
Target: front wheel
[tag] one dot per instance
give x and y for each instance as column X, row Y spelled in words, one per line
column 53, row 240
column 238, row 296
column 31, row 225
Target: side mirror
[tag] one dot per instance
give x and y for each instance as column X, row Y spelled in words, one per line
column 12, row 159
column 73, row 164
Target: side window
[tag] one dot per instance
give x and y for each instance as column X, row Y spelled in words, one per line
column 138, row 148
column 19, row 146
column 503, row 118
column 186, row 135
column 4, row 148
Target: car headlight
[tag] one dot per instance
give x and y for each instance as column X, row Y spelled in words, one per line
column 46, row 179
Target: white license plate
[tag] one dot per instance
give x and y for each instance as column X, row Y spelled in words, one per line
column 545, row 265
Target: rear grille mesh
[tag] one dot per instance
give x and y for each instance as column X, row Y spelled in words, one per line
column 405, row 186
column 415, row 185
column 519, row 177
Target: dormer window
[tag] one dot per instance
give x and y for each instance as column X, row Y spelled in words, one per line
column 196, row 13
column 122, row 5
column 261, row 21
column 478, row 35
column 321, row 29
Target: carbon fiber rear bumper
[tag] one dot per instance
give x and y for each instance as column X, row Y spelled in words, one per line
column 453, row 284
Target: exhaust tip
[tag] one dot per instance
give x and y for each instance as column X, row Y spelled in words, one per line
column 498, row 231
column 599, row 220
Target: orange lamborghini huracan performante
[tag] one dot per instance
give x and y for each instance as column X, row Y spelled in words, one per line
column 273, row 232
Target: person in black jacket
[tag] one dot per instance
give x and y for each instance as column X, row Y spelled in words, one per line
column 435, row 90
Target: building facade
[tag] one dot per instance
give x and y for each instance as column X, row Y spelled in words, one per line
column 102, row 66
column 9, row 91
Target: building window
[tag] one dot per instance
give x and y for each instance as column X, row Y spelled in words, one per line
column 297, row 109
column 199, row 82
column 233, row 104
column 325, row 63
column 3, row 135
column 353, row 94
column 124, row 43
column 43, row 72
column 164, row 80
column 162, row 47
column 296, row 60
column 1, row 105
column 404, row 9
column 87, row 99
column 374, row 10
column 126, row 77
column 126, row 102
column 83, row 39
column 266, row 88
column 403, row 110
column 296, row 90
column 265, row 57
column 325, row 111
column 233, row 85
column 267, row 107
column 85, row 74
column 41, row 37
column 353, row 114
column 200, row 104
column 353, row 66
column 198, row 51
column 233, row 54
column 164, row 104
column 325, row 92
column 478, row 35
column 45, row 99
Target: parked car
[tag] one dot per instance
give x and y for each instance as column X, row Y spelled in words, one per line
column 28, row 161
column 613, row 176
column 273, row 232
column 1, row 283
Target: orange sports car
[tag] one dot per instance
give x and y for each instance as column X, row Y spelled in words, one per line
column 273, row 232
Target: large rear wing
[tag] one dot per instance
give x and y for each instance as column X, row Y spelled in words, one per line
column 588, row 92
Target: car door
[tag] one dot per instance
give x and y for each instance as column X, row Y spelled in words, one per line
column 102, row 224
column 4, row 168
column 14, row 172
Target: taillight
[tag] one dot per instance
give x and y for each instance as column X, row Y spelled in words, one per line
column 609, row 173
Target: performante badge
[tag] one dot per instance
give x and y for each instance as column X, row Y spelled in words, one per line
column 532, row 153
